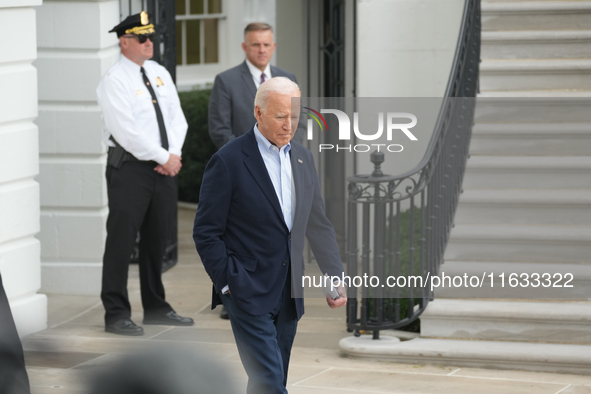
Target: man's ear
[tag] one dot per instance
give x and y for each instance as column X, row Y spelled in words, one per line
column 257, row 113
column 244, row 47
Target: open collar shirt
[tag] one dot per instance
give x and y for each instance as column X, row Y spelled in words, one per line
column 278, row 165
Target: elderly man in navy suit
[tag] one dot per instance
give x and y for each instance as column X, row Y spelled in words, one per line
column 231, row 105
column 260, row 198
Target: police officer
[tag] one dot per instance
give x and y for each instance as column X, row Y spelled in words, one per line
column 144, row 128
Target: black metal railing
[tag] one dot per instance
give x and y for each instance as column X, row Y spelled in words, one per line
column 406, row 219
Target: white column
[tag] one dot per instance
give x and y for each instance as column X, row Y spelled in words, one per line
column 19, row 164
column 74, row 50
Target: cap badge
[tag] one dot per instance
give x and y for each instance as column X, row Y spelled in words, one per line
column 144, row 18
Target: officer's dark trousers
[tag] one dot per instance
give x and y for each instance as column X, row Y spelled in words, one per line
column 139, row 199
column 13, row 375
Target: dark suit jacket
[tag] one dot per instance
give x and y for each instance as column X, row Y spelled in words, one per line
column 240, row 233
column 13, row 375
column 231, row 105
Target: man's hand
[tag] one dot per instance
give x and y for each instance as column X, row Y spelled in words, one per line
column 172, row 166
column 341, row 301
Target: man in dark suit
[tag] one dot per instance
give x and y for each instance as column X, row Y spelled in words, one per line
column 231, row 110
column 260, row 198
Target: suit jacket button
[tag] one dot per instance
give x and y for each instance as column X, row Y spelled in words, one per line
column 284, row 263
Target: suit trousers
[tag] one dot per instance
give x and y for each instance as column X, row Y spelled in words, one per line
column 13, row 375
column 141, row 200
column 264, row 342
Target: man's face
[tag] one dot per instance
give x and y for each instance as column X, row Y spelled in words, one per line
column 134, row 51
column 259, row 47
column 277, row 123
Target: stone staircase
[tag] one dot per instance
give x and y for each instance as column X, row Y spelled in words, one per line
column 526, row 205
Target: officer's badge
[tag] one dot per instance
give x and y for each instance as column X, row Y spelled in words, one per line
column 159, row 82
column 144, row 18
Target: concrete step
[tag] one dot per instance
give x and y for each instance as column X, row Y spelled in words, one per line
column 536, row 15
column 535, row 74
column 546, row 106
column 521, row 1
column 546, row 357
column 507, row 281
column 536, row 94
column 520, row 243
column 549, row 322
column 528, row 172
column 539, row 207
column 502, row 139
column 568, row 44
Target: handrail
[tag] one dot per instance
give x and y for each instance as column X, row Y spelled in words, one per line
column 397, row 242
column 469, row 36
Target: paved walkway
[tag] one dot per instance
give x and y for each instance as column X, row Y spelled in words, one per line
column 61, row 358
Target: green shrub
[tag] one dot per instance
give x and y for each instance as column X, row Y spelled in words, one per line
column 198, row 147
column 406, row 266
column 405, row 247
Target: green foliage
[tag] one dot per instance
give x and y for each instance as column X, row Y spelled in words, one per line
column 198, row 147
column 398, row 239
column 405, row 250
column 404, row 240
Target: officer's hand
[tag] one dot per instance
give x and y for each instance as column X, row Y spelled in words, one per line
column 160, row 170
column 172, row 166
column 341, row 301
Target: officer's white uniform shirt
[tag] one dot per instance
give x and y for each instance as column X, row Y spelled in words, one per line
column 129, row 114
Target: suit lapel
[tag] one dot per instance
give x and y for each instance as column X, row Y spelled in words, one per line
column 256, row 166
column 247, row 79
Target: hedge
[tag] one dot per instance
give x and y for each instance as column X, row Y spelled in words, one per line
column 198, row 147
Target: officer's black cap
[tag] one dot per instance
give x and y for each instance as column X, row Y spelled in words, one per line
column 134, row 24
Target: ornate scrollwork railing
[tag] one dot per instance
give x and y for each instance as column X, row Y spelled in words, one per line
column 407, row 218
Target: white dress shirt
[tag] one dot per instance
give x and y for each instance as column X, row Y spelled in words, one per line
column 256, row 73
column 129, row 114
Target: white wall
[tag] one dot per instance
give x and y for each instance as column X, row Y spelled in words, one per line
column 405, row 47
column 75, row 49
column 19, row 164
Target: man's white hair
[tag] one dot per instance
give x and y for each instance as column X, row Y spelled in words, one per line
column 281, row 85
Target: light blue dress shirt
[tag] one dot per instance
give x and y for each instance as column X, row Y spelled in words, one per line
column 278, row 165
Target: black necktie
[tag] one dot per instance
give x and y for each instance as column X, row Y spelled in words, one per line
column 163, row 136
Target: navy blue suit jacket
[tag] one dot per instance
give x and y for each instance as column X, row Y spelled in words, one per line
column 240, row 233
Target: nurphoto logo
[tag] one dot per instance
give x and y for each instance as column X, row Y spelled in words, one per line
column 392, row 120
